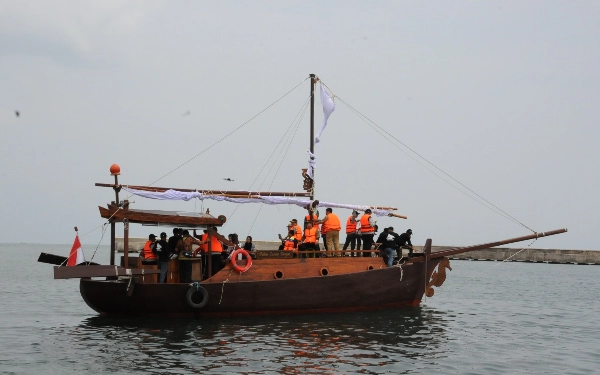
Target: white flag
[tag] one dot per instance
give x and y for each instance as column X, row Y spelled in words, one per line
column 328, row 107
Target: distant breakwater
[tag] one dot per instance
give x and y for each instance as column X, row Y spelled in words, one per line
column 494, row 254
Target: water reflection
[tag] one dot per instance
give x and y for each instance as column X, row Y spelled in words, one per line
column 370, row 342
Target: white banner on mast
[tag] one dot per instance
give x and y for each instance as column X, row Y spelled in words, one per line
column 328, row 108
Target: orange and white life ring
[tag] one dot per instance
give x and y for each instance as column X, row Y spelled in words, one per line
column 234, row 260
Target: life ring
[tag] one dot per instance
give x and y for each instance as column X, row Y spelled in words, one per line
column 193, row 290
column 234, row 260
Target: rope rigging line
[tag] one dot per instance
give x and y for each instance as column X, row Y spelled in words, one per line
column 208, row 148
column 230, row 133
column 281, row 140
column 290, row 140
column 489, row 205
column 494, row 266
column 290, row 137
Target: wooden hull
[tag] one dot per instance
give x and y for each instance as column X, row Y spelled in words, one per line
column 240, row 295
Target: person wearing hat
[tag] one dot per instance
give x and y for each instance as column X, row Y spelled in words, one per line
column 367, row 231
column 297, row 229
column 352, row 236
column 404, row 243
column 161, row 249
column 147, row 255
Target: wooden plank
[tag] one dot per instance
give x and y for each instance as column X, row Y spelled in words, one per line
column 52, row 259
column 98, row 271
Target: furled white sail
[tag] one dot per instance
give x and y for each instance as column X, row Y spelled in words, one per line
column 328, row 108
column 301, row 202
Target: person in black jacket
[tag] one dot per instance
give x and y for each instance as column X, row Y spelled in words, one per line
column 405, row 243
column 162, row 250
column 389, row 242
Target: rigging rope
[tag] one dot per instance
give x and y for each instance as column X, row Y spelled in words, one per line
column 230, row 133
column 294, row 125
column 382, row 131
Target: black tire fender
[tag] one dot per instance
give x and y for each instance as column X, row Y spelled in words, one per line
column 196, row 288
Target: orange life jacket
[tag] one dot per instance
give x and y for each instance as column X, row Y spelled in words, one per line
column 204, row 247
column 147, row 252
column 310, row 235
column 308, row 218
column 332, row 223
column 215, row 245
column 298, row 232
column 288, row 244
column 350, row 226
column 365, row 226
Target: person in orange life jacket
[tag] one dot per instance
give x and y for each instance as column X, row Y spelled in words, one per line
column 312, row 217
column 352, row 235
column 290, row 243
column 148, row 257
column 204, row 249
column 367, row 231
column 333, row 226
column 290, row 227
column 161, row 250
column 216, row 248
column 310, row 241
column 297, row 229
column 185, row 266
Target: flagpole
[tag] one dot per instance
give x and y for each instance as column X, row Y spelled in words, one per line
column 312, row 129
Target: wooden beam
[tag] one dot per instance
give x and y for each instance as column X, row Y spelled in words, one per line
column 66, row 272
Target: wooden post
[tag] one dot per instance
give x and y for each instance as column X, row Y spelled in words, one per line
column 113, row 244
column 209, row 253
column 312, row 128
column 126, row 243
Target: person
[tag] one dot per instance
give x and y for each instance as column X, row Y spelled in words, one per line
column 297, row 229
column 249, row 247
column 332, row 222
column 310, row 241
column 313, row 216
column 290, row 227
column 185, row 266
column 147, row 255
column 367, row 231
column 161, row 250
column 204, row 250
column 389, row 242
column 290, row 243
column 405, row 243
column 216, row 249
column 352, row 236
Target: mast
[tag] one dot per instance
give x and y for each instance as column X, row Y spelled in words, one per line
column 313, row 80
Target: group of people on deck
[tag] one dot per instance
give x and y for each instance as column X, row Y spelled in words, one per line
column 179, row 245
column 358, row 232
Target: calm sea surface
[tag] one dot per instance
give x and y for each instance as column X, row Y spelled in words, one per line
column 488, row 318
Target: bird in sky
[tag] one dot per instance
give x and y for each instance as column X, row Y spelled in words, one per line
column 187, row 113
column 228, row 179
column 17, row 113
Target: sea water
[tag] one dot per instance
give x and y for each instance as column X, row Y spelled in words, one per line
column 487, row 318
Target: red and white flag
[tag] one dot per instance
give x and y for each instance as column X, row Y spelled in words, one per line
column 76, row 255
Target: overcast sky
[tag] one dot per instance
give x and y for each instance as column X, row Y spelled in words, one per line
column 501, row 95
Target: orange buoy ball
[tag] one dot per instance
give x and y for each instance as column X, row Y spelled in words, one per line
column 115, row 169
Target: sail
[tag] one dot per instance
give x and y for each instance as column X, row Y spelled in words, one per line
column 172, row 194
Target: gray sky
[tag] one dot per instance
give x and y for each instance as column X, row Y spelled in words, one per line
column 503, row 96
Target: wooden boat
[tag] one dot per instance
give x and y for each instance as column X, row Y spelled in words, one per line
column 273, row 283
